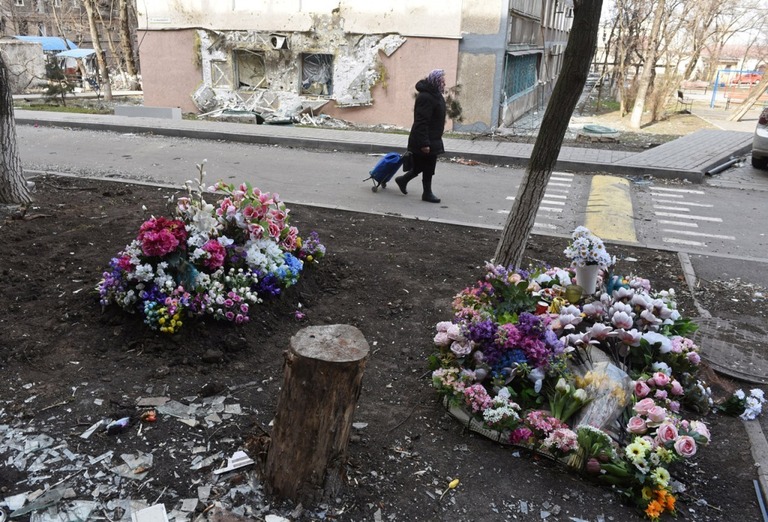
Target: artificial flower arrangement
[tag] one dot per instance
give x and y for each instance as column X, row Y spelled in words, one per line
column 587, row 249
column 599, row 384
column 214, row 260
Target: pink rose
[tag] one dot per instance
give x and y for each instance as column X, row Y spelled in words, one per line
column 641, row 389
column 216, row 254
column 677, row 388
column 666, row 432
column 693, row 358
column 441, row 339
column 642, row 407
column 461, row 349
column 674, row 406
column 661, row 379
column 660, row 394
column 657, row 414
column 685, row 446
column 637, row 425
column 515, row 278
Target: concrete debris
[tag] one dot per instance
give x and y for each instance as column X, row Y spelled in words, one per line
column 154, row 513
column 239, row 460
column 65, row 481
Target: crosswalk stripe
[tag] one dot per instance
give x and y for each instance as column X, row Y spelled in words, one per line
column 545, row 225
column 683, row 242
column 656, row 194
column 679, row 209
column 686, row 203
column 686, row 216
column 698, row 234
column 682, row 191
column 678, row 223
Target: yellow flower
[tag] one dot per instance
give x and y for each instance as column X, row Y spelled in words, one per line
column 647, row 493
column 161, row 320
column 635, row 451
column 661, row 477
column 310, row 258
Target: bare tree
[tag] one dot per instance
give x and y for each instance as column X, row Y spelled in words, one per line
column 90, row 9
column 126, row 45
column 565, row 96
column 13, row 186
column 649, row 65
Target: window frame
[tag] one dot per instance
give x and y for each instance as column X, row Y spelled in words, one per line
column 236, row 65
column 324, row 60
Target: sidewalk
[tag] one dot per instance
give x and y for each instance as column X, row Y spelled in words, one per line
column 689, row 157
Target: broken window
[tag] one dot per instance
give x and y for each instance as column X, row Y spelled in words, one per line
column 250, row 70
column 317, row 74
column 221, row 74
column 520, row 75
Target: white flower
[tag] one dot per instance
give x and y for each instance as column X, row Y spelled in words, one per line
column 654, row 338
column 629, row 337
column 622, row 320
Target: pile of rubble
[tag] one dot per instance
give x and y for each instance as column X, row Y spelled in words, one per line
column 106, row 471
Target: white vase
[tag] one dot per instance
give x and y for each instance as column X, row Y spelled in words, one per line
column 586, row 277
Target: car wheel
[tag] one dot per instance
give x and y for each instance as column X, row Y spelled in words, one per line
column 759, row 163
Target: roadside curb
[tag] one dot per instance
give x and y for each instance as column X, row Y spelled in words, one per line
column 758, row 444
column 333, row 143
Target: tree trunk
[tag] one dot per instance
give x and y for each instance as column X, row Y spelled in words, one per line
column 13, row 186
column 568, row 88
column 649, row 63
column 105, row 85
column 126, row 45
column 322, row 379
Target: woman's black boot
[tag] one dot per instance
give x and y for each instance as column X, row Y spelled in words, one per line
column 427, row 195
column 402, row 181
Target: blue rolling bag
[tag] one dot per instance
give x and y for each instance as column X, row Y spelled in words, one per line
column 383, row 171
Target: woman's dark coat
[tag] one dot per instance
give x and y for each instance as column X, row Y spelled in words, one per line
column 428, row 120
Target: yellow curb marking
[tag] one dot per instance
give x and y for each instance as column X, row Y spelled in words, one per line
column 610, row 215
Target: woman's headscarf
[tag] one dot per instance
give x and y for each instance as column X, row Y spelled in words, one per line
column 437, row 79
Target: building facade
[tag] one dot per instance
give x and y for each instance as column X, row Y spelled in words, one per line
column 67, row 19
column 355, row 60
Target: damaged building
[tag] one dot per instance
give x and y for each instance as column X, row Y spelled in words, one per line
column 353, row 60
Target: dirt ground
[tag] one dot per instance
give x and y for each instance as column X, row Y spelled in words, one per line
column 67, row 365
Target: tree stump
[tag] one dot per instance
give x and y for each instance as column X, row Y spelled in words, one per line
column 322, row 379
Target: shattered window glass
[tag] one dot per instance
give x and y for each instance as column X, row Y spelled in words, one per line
column 250, row 69
column 221, row 74
column 317, row 74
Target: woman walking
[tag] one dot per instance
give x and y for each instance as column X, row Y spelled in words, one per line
column 425, row 141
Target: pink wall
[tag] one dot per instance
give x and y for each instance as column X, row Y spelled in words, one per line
column 170, row 76
column 168, row 70
column 393, row 97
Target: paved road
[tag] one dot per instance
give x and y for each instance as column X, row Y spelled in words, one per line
column 722, row 220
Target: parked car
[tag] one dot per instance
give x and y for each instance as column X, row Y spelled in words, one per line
column 748, row 79
column 760, row 142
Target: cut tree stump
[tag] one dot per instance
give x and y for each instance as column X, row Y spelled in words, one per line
column 322, row 379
